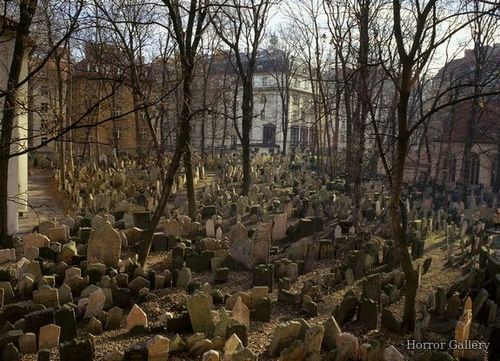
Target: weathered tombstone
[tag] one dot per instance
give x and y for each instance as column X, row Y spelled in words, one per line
column 49, row 337
column 114, row 320
column 241, row 252
column 136, row 318
column 65, row 318
column 199, row 308
column 27, row 343
column 261, row 243
column 346, row 310
column 183, row 277
column 210, row 228
column 47, row 296
column 332, row 331
column 241, row 313
column 313, row 340
column 78, row 349
column 349, row 277
column 462, row 329
column 479, row 302
column 10, row 353
column 440, row 302
column 94, row 326
column 368, row 313
column 238, row 231
column 279, row 227
column 338, row 232
column 104, row 246
column 158, row 348
column 284, row 334
column 263, row 275
column 96, row 304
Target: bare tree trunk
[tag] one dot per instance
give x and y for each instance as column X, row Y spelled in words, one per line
column 246, row 128
column 61, row 120
column 182, row 144
column 397, row 210
column 27, row 10
column 224, row 127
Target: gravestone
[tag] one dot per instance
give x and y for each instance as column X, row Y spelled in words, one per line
column 462, row 329
column 261, row 244
column 136, row 318
column 104, row 246
column 199, row 308
column 241, row 252
column 49, row 337
column 279, row 227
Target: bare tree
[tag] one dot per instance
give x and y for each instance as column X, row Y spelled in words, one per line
column 417, row 31
column 483, row 30
column 187, row 26
column 241, row 25
column 284, row 69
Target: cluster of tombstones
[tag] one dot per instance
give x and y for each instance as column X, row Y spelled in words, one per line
column 71, row 271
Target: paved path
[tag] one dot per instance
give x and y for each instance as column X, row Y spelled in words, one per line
column 43, row 202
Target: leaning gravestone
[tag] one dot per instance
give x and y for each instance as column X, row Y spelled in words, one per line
column 241, row 251
column 261, row 244
column 199, row 308
column 279, row 227
column 104, row 246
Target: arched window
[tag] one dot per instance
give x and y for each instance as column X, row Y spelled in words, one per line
column 475, row 167
column 269, row 135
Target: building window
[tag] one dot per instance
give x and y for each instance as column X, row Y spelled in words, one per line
column 450, row 166
column 475, row 167
column 294, row 136
column 453, row 169
column 304, row 136
column 264, row 81
column 44, row 90
column 269, row 135
column 44, row 129
column 495, row 173
column 44, row 108
column 143, row 132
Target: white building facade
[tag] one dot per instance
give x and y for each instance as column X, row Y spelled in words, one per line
column 18, row 166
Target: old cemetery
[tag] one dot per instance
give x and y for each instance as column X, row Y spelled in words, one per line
column 281, row 274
